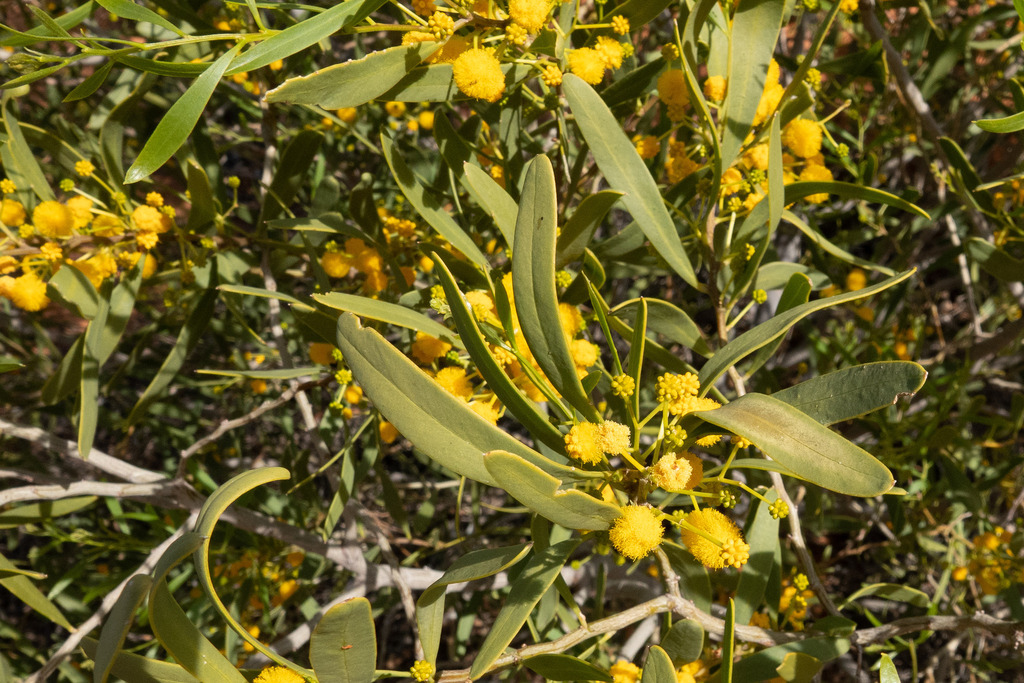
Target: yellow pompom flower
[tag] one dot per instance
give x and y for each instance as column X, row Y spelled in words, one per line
column 530, row 14
column 570, row 318
column 12, row 213
column 347, row 115
column 620, row 25
column 150, row 219
column 583, row 442
column 647, row 146
column 84, row 167
column 816, row 173
column 28, row 292
column 856, row 280
column 584, row 353
column 426, row 348
column 486, row 410
column 336, row 264
column 81, row 211
column 802, row 137
column 672, row 88
column 588, row 64
column 714, row 88
column 637, row 532
column 454, row 381
column 53, row 219
column 441, row 26
column 422, row 671
column 388, row 432
column 624, row 672
column 733, row 551
column 613, row 438
column 848, row 6
column 552, row 76
column 279, row 674
column 321, row 353
column 611, row 51
column 672, row 472
column 395, row 109
column 154, row 199
column 477, row 73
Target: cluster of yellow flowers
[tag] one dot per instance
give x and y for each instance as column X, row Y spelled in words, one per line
column 992, row 563
column 78, row 232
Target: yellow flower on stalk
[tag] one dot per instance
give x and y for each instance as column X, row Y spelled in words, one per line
column 530, row 14
column 620, row 25
column 672, row 88
column 816, row 173
column 588, row 64
column 7, row 186
column 477, row 73
column 53, row 219
column 570, row 318
column 84, row 167
column 422, row 671
column 388, row 432
column 624, row 672
column 614, row 438
column 12, row 213
column 426, row 348
column 647, row 146
column 552, row 76
column 150, row 219
column 733, row 551
column 81, row 211
column 336, row 264
column 28, row 292
column 714, row 88
column 321, row 353
column 611, row 51
column 279, row 674
column 678, row 472
column 454, row 380
column 802, row 137
column 637, row 532
column 584, row 354
column 583, row 442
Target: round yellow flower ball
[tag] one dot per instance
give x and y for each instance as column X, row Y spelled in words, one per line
column 637, row 532
column 733, row 551
column 151, row 219
column 478, row 74
column 53, row 219
column 12, row 213
column 530, row 14
column 802, row 137
column 588, row 64
column 28, row 292
column 279, row 674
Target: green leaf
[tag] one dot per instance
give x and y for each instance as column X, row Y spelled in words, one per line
column 343, row 648
column 802, row 445
column 799, row 190
column 139, row 669
column 1008, row 124
column 669, row 321
column 209, row 514
column 19, row 157
column 729, row 645
column 203, row 211
column 355, row 82
column 658, row 667
column 763, row 537
column 23, row 589
column 828, row 247
column 493, row 374
column 189, row 335
column 72, row 288
column 439, row 424
column 995, row 261
column 754, row 32
column 66, row 21
column 393, row 314
column 185, row 643
column 799, row 667
column 579, row 229
column 764, row 664
column 890, row 591
column 796, row 293
column 279, row 374
column 90, row 84
column 626, row 172
column 32, row 513
column 684, row 642
column 68, row 376
column 472, row 566
column 852, row 392
column 776, row 202
column 763, row 334
column 304, row 34
column 118, row 623
column 493, row 199
column 127, row 9
column 887, row 672
column 176, row 125
column 526, row 591
column 541, row 492
column 290, row 174
column 565, row 668
column 428, row 207
column 533, row 285
column 28, row 573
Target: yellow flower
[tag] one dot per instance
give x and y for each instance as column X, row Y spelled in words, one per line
column 637, row 532
column 279, row 674
column 53, row 219
column 388, row 432
column 624, row 672
column 672, row 88
column 584, row 354
column 856, row 280
column 530, row 14
column 647, row 146
column 395, row 109
column 28, row 292
column 12, row 213
column 552, row 76
column 756, row 157
column 570, row 319
column 478, row 74
column 450, row 51
column 611, row 51
column 679, row 168
column 816, row 173
column 486, row 410
column 848, row 6
column 147, row 240
column 52, row 252
column 441, row 26
column 714, row 88
column 7, row 186
column 424, row 8
column 426, row 348
column 426, row 119
column 155, row 199
column 613, row 438
column 454, row 381
column 258, row 386
column 347, row 115
column 422, row 671
column 733, row 550
column 336, row 264
column 321, row 353
column 672, row 472
column 588, row 64
column 583, row 442
column 150, row 219
column 620, row 25
column 802, row 137
column 84, row 167
column 81, row 211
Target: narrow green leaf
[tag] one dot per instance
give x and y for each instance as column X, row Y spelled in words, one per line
column 28, row 573
column 23, row 589
column 776, row 176
column 355, row 82
column 802, row 445
column 887, row 672
column 819, row 240
column 139, row 669
column 130, row 10
column 66, row 21
column 799, row 190
column 763, row 665
column 852, row 392
column 478, row 564
column 299, row 36
column 796, row 293
column 176, row 125
column 279, row 374
column 565, row 668
column 203, row 211
column 393, row 314
column 117, row 624
column 90, row 84
column 533, row 284
column 626, row 172
column 441, row 425
column 494, row 200
column 526, row 591
column 88, row 396
column 540, row 492
column 22, row 159
column 189, row 335
column 579, row 229
column 799, row 667
column 890, row 591
column 658, row 667
column 72, row 288
column 428, row 207
column 162, row 68
column 668, row 320
column 754, row 32
column 995, row 261
column 684, row 642
column 494, row 375
column 763, row 537
column 298, row 156
column 752, row 340
column 68, row 376
column 32, row 513
column 1009, row 124
column 343, row 647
